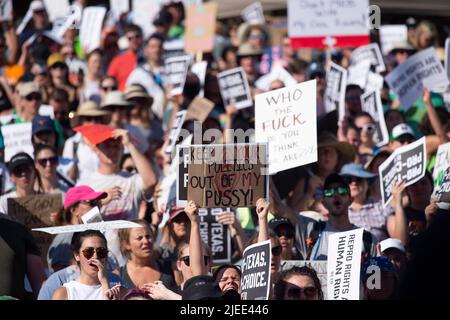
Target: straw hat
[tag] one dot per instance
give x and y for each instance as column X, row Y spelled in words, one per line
column 88, row 109
column 115, row 98
column 345, row 150
column 137, row 91
column 246, row 50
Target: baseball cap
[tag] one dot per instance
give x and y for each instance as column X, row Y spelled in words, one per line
column 201, row 288
column 392, row 243
column 21, row 158
column 37, row 5
column 400, row 130
column 80, row 193
column 356, row 170
column 42, row 123
column 334, row 178
column 175, row 212
column 55, row 58
column 382, row 262
column 279, row 221
column 27, row 88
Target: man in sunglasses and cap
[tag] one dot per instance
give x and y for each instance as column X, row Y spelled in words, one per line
column 29, row 101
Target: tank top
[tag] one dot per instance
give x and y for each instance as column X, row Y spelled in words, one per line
column 78, row 291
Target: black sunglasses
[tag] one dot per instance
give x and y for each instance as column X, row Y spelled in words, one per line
column 22, row 169
column 308, row 292
column 88, row 253
column 92, row 203
column 43, row 162
column 350, row 179
column 109, row 88
column 32, row 97
column 131, row 169
column 285, row 232
column 276, row 251
column 188, row 262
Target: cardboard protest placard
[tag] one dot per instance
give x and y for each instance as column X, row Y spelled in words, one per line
column 328, row 23
column 56, row 8
column 233, row 175
column 422, row 69
column 91, row 28
column 374, row 82
column 370, row 52
column 277, row 73
column 344, row 265
column 443, row 191
column 92, row 216
column 118, row 7
column 371, row 103
column 215, row 234
column 175, row 130
column 199, row 109
column 253, row 13
column 34, row 212
column 335, row 89
column 17, row 138
column 200, row 27
column 70, row 19
column 390, row 35
column 144, row 12
column 95, row 133
column 358, row 73
column 287, row 119
column 47, row 111
column 234, row 88
column 441, row 165
column 6, row 13
column 255, row 279
column 199, row 69
column 318, row 265
column 101, row 226
column 176, row 69
column 407, row 163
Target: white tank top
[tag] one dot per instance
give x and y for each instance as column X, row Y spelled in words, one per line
column 78, row 291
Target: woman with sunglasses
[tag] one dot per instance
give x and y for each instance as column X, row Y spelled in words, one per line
column 46, row 162
column 298, row 283
column 107, row 84
column 90, row 250
column 143, row 263
column 59, row 75
column 365, row 123
column 90, row 89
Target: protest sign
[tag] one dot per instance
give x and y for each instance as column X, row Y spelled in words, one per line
column 234, row 88
column 101, row 226
column 176, row 69
column 443, row 190
column 92, row 216
column 215, row 234
column 253, row 13
column 56, row 8
column 6, row 13
column 358, row 73
column 95, row 133
column 144, row 12
column 441, row 165
column 118, row 7
column 23, row 24
column 344, row 264
column 407, row 163
column 447, row 57
column 319, row 266
column 232, row 175
column 391, row 35
column 47, row 111
column 199, row 69
column 277, row 73
column 422, row 69
column 34, row 212
column 328, row 23
column 335, row 89
column 199, row 109
column 173, row 48
column 91, row 28
column 69, row 19
column 286, row 118
column 371, row 103
column 374, row 82
column 255, row 279
column 183, row 157
column 200, row 27
column 175, row 130
column 370, row 52
column 7, row 118
column 17, row 138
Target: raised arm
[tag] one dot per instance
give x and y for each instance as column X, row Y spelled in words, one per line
column 262, row 210
column 398, row 224
column 195, row 241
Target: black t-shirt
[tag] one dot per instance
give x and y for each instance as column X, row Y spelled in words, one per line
column 16, row 242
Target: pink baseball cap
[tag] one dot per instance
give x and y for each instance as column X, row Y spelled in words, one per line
column 80, row 193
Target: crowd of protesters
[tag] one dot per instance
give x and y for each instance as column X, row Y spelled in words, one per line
column 122, row 85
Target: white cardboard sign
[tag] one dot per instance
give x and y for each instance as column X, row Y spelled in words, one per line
column 391, row 35
column 335, row 89
column 91, row 28
column 253, row 13
column 17, row 138
column 6, row 13
column 101, row 226
column 56, row 8
column 47, row 111
column 441, row 165
column 277, row 73
column 175, row 131
column 371, row 103
column 118, row 7
column 370, row 52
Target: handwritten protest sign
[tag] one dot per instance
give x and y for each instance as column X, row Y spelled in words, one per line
column 286, row 118
column 215, row 234
column 253, row 13
column 118, row 7
column 422, row 69
column 335, row 89
column 319, row 266
column 344, row 264
column 91, row 28
column 199, row 109
column 201, row 27
column 255, row 279
column 441, row 165
column 234, row 88
column 277, row 73
column 407, row 163
column 390, row 35
column 56, row 8
column 231, row 175
column 17, row 138
column 371, row 103
column 34, row 212
column 175, row 131
column 326, row 23
column 101, row 226
column 370, row 52
column 176, row 69
column 6, row 10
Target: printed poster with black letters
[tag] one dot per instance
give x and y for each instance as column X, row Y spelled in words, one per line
column 443, row 191
column 255, row 280
column 234, row 88
column 371, row 103
column 176, row 69
column 441, row 165
column 215, row 234
column 335, row 89
column 407, row 163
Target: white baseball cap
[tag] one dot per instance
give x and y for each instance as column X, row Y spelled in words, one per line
column 392, row 243
column 37, row 5
column 401, row 129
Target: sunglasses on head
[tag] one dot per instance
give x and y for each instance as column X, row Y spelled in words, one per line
column 188, row 262
column 276, row 251
column 88, row 253
column 332, row 191
column 308, row 292
column 53, row 161
column 32, row 97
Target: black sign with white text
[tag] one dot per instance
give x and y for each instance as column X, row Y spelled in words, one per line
column 255, row 280
column 234, row 88
column 215, row 234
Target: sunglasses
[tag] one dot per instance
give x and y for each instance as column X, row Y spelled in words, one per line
column 308, row 292
column 92, row 203
column 90, row 119
column 276, row 251
column 43, row 162
column 59, row 66
column 351, row 179
column 22, row 169
column 32, row 97
column 131, row 169
column 288, row 233
column 88, row 253
column 109, row 88
column 138, row 36
column 332, row 191
column 257, row 36
column 369, row 127
column 188, row 262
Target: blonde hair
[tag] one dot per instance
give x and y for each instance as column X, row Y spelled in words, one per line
column 427, row 27
column 124, row 237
